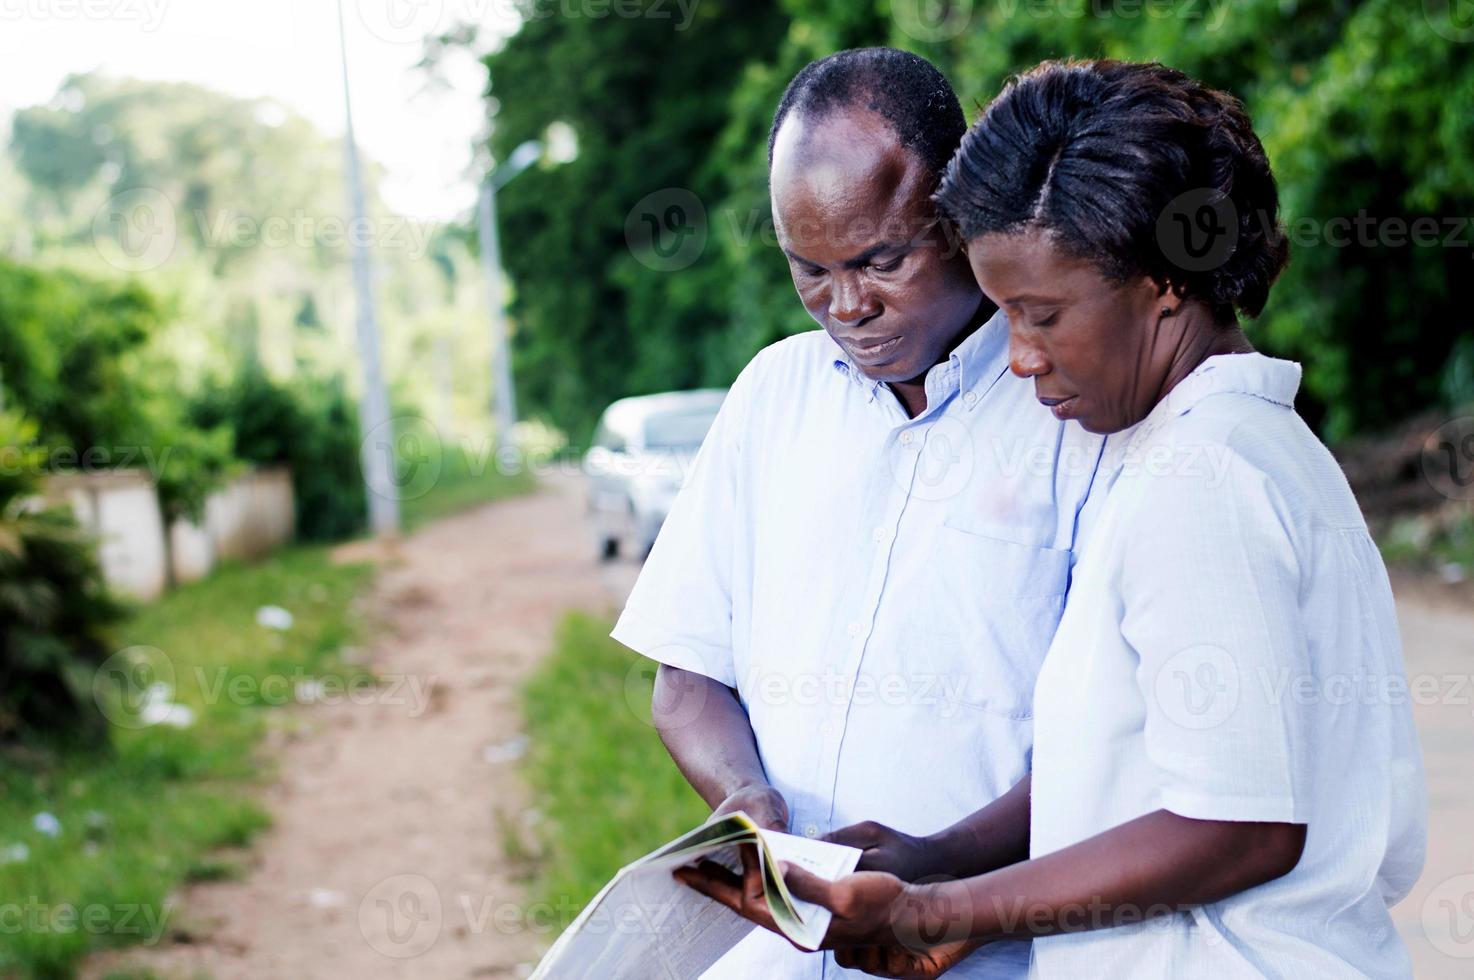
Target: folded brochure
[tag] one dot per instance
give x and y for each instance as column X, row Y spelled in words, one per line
column 644, row 924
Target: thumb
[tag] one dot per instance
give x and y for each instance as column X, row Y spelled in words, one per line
column 807, row 885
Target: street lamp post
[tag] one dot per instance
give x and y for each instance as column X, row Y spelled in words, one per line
column 504, row 396
column 377, row 449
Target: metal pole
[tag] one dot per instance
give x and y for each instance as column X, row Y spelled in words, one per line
column 504, row 397
column 376, row 454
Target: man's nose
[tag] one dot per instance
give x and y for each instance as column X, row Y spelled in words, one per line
column 1025, row 359
column 850, row 304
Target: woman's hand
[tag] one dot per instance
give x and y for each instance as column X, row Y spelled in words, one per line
column 861, row 902
column 880, row 923
column 885, row 849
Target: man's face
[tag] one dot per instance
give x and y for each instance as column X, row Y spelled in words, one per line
column 868, row 254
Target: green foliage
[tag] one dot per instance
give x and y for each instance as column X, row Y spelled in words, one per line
column 310, row 426
column 1363, row 106
column 71, row 348
column 79, row 360
column 138, row 822
column 647, row 102
column 55, row 613
column 588, row 719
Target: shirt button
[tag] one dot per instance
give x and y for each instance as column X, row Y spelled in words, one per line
column 970, row 398
column 811, row 831
column 826, row 729
column 878, row 534
column 907, row 437
column 854, row 629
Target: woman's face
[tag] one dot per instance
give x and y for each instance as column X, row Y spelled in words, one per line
column 1098, row 350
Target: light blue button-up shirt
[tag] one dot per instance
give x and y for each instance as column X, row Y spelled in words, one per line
column 879, row 590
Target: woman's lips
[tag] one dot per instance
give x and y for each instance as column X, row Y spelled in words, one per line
column 1063, row 408
column 872, row 352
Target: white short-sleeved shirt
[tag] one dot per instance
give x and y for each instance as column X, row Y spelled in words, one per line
column 879, row 590
column 1230, row 652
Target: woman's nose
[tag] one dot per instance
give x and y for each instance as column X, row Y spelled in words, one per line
column 1025, row 359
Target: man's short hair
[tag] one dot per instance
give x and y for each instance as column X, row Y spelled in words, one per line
column 904, row 89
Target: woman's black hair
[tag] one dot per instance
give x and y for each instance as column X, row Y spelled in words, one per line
column 1135, row 167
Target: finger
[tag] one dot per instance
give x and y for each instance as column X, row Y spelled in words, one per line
column 866, row 959
column 861, row 835
column 808, row 886
column 752, row 876
column 713, row 881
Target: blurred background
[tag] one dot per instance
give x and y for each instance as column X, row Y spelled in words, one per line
column 319, row 484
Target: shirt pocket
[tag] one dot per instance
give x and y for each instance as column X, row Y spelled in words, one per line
column 1000, row 604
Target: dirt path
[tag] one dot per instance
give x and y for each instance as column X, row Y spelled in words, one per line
column 1437, row 918
column 386, row 858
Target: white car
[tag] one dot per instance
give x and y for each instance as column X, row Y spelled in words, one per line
column 641, row 452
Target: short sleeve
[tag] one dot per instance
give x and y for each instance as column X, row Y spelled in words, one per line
column 1210, row 586
column 680, row 611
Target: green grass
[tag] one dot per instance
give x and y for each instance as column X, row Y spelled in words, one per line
column 462, row 480
column 152, row 813
column 1419, row 542
column 606, row 787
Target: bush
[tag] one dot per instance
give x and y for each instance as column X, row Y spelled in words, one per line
column 309, row 426
column 54, row 608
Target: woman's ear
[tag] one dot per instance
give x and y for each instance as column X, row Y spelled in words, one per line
column 1169, row 298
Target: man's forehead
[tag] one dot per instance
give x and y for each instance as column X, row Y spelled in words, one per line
column 847, row 166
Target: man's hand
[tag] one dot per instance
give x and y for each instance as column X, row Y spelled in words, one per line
column 764, row 804
column 886, row 850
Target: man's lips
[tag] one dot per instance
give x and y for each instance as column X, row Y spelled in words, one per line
column 870, row 350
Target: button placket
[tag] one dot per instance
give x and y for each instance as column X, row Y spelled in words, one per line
column 858, row 630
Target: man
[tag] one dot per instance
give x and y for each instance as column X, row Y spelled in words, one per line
column 853, row 593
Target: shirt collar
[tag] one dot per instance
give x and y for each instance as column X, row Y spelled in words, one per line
column 1269, row 378
column 972, row 367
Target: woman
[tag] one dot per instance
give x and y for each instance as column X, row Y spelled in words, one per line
column 1226, row 779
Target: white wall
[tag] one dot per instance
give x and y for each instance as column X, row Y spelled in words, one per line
column 248, row 518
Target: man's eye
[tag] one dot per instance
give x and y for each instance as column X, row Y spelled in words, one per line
column 1047, row 321
column 890, row 266
column 812, row 271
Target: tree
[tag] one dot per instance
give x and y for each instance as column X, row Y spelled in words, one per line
column 597, row 319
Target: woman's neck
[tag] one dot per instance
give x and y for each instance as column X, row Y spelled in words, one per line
column 1202, row 337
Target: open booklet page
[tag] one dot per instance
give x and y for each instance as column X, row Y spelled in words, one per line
column 644, row 924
